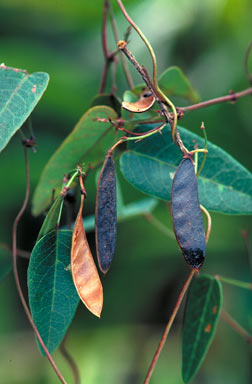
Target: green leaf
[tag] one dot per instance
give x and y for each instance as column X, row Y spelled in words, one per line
column 140, row 207
column 19, row 94
column 224, row 184
column 88, row 143
column 5, row 262
column 173, row 82
column 109, row 100
column 52, row 295
column 51, row 218
column 127, row 212
column 202, row 312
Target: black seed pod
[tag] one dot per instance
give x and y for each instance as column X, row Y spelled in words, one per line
column 186, row 214
column 105, row 214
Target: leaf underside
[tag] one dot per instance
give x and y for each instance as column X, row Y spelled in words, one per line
column 51, row 218
column 19, row 94
column 224, row 185
column 202, row 312
column 52, row 295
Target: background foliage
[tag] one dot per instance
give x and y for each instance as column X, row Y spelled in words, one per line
column 207, row 40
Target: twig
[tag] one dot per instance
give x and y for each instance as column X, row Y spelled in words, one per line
column 142, row 36
column 105, row 48
column 117, row 38
column 114, row 87
column 232, row 97
column 236, row 326
column 104, row 77
column 15, row 269
column 73, row 366
column 168, row 326
column 144, row 74
column 246, row 62
column 155, row 82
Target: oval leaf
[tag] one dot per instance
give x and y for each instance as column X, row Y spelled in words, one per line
column 186, row 214
column 87, row 142
column 52, row 217
column 224, row 185
column 174, row 83
column 202, row 312
column 85, row 275
column 52, row 296
column 19, row 94
column 106, row 215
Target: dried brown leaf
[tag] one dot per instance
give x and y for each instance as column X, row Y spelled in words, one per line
column 143, row 104
column 85, row 276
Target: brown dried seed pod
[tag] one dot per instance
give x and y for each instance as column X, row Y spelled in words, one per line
column 105, row 214
column 186, row 214
column 85, row 276
column 143, row 104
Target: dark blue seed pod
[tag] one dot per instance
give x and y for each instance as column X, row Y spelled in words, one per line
column 105, row 214
column 186, row 214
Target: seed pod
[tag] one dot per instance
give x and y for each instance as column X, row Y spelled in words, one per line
column 105, row 214
column 84, row 272
column 143, row 104
column 186, row 214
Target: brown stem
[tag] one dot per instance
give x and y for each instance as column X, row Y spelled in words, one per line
column 108, row 57
column 104, row 29
column 117, row 38
column 236, row 326
column 141, row 35
column 232, row 97
column 168, row 326
column 246, row 63
column 140, row 134
column 73, row 366
column 15, row 269
column 144, row 74
column 114, row 87
column 104, row 77
column 83, row 190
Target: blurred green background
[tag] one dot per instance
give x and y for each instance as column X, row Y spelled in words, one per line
column 208, row 41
